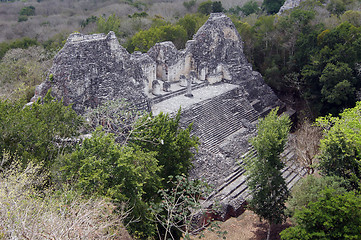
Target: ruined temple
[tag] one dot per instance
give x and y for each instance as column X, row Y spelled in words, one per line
column 210, row 79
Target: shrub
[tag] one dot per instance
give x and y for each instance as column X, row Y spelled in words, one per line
column 101, row 167
column 27, row 11
column 341, row 146
column 310, row 189
column 22, row 18
column 26, row 213
column 189, row 4
column 36, row 132
column 250, row 7
column 330, row 217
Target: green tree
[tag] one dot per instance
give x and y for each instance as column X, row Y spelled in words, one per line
column 353, row 17
column 101, row 167
column 37, row 132
column 27, row 11
column 267, row 186
column 272, row 6
column 338, row 84
column 205, row 7
column 329, row 76
column 112, row 23
column 191, row 23
column 331, row 217
column 217, row 7
column 175, row 146
column 336, row 7
column 310, row 188
column 341, row 145
column 250, row 7
column 144, row 40
column 209, row 7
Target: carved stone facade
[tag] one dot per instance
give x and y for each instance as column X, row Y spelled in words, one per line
column 210, row 79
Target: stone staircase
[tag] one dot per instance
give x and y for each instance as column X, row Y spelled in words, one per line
column 234, row 192
column 216, row 119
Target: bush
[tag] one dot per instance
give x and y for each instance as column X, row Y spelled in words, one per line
column 341, row 146
column 309, row 190
column 101, row 167
column 189, row 4
column 180, row 206
column 112, row 23
column 209, row 7
column 336, row 7
column 37, row 132
column 27, row 11
column 26, row 213
column 330, row 217
column 250, row 7
column 22, row 18
column 21, row 70
column 272, row 6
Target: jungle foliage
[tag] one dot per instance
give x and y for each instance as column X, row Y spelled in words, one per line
column 311, row 53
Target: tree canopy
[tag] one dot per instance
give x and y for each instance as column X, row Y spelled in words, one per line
column 341, row 145
column 331, row 217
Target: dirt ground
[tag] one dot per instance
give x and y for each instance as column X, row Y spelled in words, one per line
column 245, row 227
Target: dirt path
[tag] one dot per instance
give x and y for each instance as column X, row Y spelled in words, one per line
column 245, row 227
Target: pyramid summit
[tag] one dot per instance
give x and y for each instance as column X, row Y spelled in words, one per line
column 91, row 69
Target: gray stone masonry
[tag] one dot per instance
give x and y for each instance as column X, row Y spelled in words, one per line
column 210, row 79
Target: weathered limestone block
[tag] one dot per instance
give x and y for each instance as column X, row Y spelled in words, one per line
column 289, row 4
column 165, row 54
column 193, row 76
column 189, row 88
column 149, row 69
column 156, row 88
column 92, row 69
column 166, row 87
column 183, row 81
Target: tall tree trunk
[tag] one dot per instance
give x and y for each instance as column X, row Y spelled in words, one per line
column 269, row 230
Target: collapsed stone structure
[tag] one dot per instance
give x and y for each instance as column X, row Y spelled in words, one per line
column 210, row 79
column 288, row 5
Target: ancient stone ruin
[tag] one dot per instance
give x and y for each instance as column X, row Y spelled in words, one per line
column 210, row 79
column 289, row 4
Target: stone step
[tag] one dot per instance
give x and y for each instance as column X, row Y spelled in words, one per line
column 235, row 185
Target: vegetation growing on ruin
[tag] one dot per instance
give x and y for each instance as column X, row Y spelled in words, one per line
column 310, row 56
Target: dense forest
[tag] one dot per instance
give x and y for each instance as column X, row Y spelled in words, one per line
column 117, row 173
